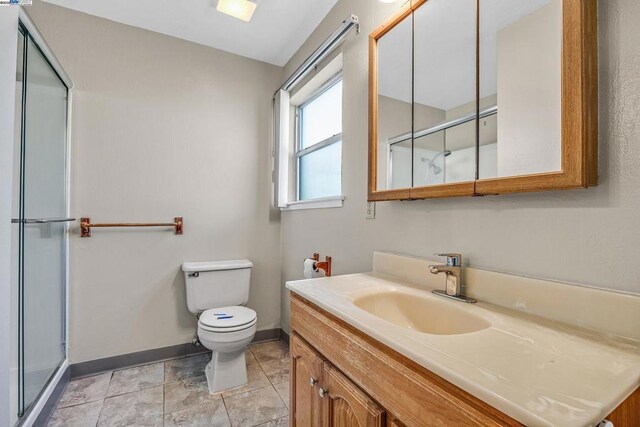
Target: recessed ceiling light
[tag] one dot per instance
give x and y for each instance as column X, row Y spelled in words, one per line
column 241, row 9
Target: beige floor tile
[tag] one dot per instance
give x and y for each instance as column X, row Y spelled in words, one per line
column 283, row 391
column 255, row 407
column 187, row 393
column 280, row 422
column 208, row 414
column 83, row 415
column 175, row 393
column 186, row 367
column 84, row 390
column 273, row 357
column 136, row 379
column 277, row 370
column 140, row 408
column 256, row 378
column 270, row 350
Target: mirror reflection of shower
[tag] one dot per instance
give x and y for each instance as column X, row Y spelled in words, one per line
column 432, row 167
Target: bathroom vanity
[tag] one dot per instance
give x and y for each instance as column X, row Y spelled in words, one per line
column 379, row 348
column 322, row 395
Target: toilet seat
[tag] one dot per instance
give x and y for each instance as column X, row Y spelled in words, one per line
column 227, row 319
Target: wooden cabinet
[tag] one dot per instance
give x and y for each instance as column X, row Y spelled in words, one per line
column 628, row 413
column 344, row 378
column 322, row 396
column 393, row 422
column 306, row 376
column 428, row 115
column 377, row 377
column 345, row 404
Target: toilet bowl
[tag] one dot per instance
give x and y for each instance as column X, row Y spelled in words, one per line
column 217, row 292
column 226, row 331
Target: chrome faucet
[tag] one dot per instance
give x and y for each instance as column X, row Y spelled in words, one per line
column 453, row 272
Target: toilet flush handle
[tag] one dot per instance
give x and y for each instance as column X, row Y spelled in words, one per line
column 196, row 274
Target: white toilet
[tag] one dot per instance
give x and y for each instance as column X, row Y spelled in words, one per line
column 217, row 291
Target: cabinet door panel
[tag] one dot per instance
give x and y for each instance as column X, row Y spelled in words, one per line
column 394, row 422
column 346, row 405
column 306, row 375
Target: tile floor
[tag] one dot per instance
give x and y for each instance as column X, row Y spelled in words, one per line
column 175, row 393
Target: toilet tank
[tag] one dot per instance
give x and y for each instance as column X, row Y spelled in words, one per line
column 217, row 283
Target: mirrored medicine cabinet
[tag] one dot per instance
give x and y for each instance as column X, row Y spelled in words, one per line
column 479, row 97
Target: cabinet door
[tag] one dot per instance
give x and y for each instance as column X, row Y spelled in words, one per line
column 394, row 422
column 345, row 405
column 306, row 375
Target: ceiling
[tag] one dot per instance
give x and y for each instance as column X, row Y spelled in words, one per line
column 445, row 45
column 277, row 30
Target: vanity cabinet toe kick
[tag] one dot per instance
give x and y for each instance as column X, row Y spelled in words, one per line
column 343, row 377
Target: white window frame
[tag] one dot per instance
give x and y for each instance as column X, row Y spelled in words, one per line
column 324, row 202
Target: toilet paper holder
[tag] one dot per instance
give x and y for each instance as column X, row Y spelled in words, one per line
column 324, row 265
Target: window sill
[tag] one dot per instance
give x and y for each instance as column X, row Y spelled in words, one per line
column 323, row 203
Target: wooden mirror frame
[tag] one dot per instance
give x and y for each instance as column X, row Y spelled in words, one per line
column 579, row 115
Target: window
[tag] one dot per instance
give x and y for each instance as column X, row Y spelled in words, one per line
column 319, row 143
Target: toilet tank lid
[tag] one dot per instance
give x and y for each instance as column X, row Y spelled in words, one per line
column 233, row 264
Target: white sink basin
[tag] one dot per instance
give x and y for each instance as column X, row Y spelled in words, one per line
column 421, row 313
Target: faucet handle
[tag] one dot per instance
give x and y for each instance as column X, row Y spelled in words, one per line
column 453, row 260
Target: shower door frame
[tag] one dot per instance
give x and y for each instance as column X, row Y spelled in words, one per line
column 28, row 414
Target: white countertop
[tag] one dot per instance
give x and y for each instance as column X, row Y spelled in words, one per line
column 539, row 372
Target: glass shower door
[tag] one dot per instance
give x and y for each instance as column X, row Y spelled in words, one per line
column 42, row 224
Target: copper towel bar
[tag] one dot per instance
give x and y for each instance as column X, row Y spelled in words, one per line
column 86, row 225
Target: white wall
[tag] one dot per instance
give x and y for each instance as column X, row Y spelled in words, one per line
column 161, row 128
column 585, row 236
column 8, row 47
column 461, row 164
column 529, row 93
column 395, row 119
column 400, row 160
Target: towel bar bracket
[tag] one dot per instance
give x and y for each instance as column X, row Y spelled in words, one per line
column 323, row 265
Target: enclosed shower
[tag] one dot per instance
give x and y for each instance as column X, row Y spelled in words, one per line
column 40, row 219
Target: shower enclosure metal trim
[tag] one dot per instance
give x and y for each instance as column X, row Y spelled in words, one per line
column 27, row 23
column 31, row 35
